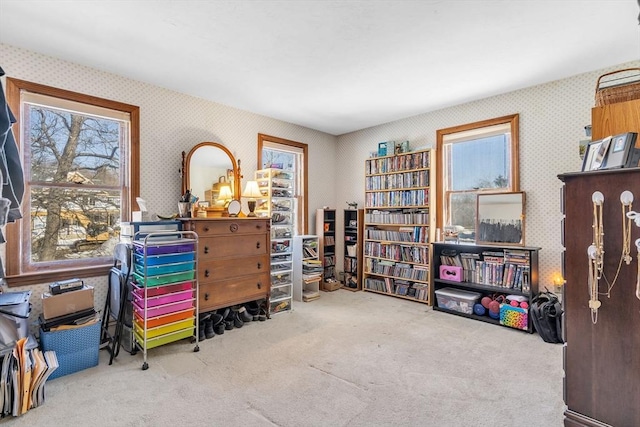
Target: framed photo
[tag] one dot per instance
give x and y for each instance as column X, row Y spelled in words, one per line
column 590, row 154
column 203, row 204
column 500, row 218
column 621, row 150
column 601, row 154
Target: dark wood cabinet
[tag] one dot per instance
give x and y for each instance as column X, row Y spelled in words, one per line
column 353, row 222
column 601, row 360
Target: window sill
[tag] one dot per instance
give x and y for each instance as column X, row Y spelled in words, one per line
column 39, row 278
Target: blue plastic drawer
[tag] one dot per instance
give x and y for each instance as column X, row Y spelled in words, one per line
column 158, row 270
column 165, row 259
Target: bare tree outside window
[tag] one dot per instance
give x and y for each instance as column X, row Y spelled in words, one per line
column 81, row 159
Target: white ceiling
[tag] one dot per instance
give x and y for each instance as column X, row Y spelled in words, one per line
column 334, row 66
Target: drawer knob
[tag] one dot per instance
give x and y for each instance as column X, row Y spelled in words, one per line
column 257, row 245
column 234, row 227
column 206, row 273
column 258, row 226
column 259, row 266
column 206, row 296
column 206, row 229
column 259, row 285
column 206, row 249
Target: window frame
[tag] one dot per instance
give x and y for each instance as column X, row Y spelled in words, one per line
column 441, row 170
column 16, row 275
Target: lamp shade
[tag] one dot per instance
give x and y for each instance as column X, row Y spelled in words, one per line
column 251, row 190
column 225, row 193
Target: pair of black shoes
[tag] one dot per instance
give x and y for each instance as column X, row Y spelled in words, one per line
column 208, row 324
column 255, row 312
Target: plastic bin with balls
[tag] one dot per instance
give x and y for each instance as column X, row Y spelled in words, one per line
column 457, row 299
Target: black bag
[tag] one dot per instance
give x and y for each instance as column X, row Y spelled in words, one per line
column 546, row 314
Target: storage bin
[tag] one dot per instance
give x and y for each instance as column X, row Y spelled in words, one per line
column 163, row 329
column 161, row 269
column 165, row 279
column 279, row 306
column 167, row 247
column 165, row 259
column 280, row 278
column 152, row 322
column 163, row 299
column 164, row 339
column 280, row 292
column 451, row 272
column 76, row 349
column 163, row 309
column 162, row 290
column 457, row 299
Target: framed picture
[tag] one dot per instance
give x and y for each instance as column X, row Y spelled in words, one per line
column 500, row 218
column 621, row 150
column 590, row 154
column 601, row 153
column 203, row 204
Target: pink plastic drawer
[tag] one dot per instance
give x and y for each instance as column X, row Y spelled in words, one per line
column 162, row 290
column 163, row 309
column 163, row 299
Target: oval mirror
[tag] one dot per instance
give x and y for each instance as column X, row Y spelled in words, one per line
column 211, row 173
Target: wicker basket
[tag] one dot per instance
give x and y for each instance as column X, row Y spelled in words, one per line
column 619, row 86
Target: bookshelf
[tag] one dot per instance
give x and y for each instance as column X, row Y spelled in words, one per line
column 398, row 225
column 353, row 222
column 326, row 231
column 486, row 270
column 307, row 268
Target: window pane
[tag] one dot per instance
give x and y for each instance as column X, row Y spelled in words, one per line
column 480, row 163
column 463, row 210
column 71, row 147
column 73, row 223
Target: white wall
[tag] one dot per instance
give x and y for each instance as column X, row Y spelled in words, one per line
column 552, row 121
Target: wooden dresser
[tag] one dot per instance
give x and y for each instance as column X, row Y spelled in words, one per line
column 233, row 260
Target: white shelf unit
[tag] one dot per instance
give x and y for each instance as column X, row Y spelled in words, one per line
column 165, row 286
column 278, row 204
column 307, row 268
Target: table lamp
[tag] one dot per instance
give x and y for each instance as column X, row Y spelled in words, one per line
column 225, row 195
column 252, row 192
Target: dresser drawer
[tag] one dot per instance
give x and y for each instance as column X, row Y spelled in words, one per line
column 218, row 269
column 224, row 293
column 225, row 246
column 227, row 227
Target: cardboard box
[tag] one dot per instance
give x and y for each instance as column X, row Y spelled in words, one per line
column 67, row 303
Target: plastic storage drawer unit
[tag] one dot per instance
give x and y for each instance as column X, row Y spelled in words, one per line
column 457, row 299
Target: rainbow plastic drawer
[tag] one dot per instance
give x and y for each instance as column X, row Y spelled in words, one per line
column 152, row 322
column 157, row 270
column 162, row 309
column 163, row 299
column 162, row 290
column 164, row 329
column 164, row 259
column 165, row 339
column 164, row 247
column 165, row 279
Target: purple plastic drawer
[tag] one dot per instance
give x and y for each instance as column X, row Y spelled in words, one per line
column 165, row 247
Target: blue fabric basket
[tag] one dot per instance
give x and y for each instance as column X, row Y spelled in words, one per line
column 76, row 349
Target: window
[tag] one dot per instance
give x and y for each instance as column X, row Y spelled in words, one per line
column 474, row 158
column 80, row 159
column 290, row 155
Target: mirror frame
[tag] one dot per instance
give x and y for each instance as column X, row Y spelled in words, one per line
column 515, row 214
column 186, row 162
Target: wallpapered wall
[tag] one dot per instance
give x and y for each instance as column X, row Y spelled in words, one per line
column 170, row 123
column 552, row 121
